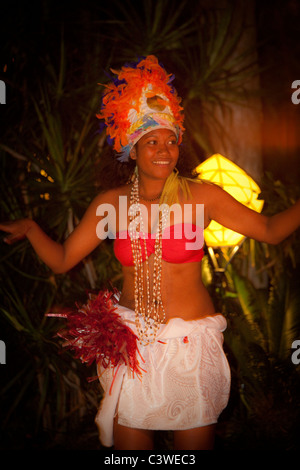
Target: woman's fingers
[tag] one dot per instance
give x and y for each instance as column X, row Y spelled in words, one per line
column 16, row 230
column 10, row 239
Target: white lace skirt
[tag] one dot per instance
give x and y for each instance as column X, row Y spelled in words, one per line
column 186, row 383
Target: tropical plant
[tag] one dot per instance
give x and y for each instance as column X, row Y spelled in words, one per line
column 50, row 176
column 263, row 321
column 148, row 27
column 259, row 340
column 50, row 149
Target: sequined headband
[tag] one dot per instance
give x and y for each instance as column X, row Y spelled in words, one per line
column 141, row 98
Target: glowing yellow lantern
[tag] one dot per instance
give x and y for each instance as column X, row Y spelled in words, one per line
column 236, row 182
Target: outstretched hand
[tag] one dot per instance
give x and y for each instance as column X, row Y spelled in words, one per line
column 16, row 230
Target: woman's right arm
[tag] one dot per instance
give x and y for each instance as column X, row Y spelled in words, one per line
column 59, row 257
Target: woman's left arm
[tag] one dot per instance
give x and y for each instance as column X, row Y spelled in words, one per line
column 227, row 211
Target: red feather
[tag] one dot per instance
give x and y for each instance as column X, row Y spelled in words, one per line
column 96, row 332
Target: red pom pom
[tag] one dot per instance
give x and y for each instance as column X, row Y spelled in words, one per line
column 96, row 332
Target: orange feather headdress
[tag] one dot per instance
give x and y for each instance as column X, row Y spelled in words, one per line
column 139, row 100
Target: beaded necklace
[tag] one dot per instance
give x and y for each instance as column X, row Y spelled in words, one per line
column 149, row 309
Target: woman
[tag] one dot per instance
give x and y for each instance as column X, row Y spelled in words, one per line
column 182, row 379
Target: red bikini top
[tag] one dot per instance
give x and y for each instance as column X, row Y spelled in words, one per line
column 181, row 243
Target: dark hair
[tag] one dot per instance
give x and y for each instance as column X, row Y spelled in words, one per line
column 112, row 173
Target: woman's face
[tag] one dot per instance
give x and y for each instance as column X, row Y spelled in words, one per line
column 156, row 153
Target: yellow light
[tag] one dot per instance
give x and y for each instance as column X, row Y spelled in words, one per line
column 43, row 173
column 236, row 182
column 45, row 196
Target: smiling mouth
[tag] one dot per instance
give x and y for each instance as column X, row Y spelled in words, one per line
column 161, row 162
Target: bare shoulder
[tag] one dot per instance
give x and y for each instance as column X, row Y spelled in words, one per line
column 111, row 196
column 204, row 191
column 213, row 198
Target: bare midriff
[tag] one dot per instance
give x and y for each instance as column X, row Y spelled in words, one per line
column 183, row 292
